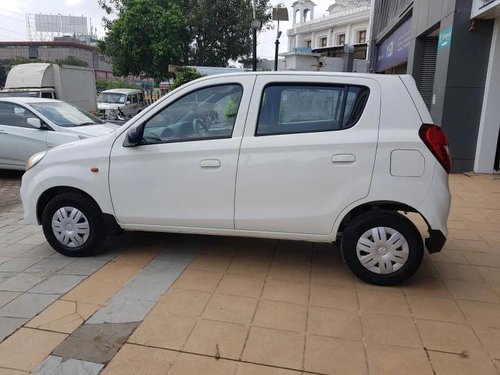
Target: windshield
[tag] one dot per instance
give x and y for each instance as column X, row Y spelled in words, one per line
column 6, row 94
column 111, row 97
column 65, row 115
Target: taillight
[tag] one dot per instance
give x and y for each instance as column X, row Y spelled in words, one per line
column 435, row 139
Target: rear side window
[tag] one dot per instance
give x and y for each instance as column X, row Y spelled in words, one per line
column 141, row 97
column 288, row 109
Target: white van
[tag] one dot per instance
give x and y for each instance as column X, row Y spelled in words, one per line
column 322, row 157
column 120, row 103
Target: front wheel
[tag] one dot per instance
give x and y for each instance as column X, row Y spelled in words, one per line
column 382, row 248
column 73, row 225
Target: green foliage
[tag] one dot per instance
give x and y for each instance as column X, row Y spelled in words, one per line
column 71, row 60
column 106, row 84
column 185, row 75
column 219, row 30
column 148, row 35
column 231, row 107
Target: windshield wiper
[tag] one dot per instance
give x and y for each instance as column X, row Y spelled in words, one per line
column 86, row 123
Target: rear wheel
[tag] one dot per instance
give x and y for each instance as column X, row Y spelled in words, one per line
column 73, row 225
column 382, row 248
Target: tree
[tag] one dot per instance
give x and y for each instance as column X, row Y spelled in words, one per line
column 185, row 75
column 148, row 35
column 72, row 60
column 219, row 30
column 106, row 84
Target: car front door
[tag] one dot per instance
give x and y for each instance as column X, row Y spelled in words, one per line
column 183, row 172
column 18, row 139
column 308, row 152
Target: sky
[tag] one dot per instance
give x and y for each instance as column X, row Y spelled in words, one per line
column 13, row 19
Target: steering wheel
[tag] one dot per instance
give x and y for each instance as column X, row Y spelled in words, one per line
column 198, row 123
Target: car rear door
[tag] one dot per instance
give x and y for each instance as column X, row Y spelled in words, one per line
column 18, row 140
column 308, row 151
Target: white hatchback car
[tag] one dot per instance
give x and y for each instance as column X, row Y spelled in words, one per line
column 317, row 157
column 30, row 125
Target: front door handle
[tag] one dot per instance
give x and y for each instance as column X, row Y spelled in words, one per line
column 343, row 158
column 210, row 164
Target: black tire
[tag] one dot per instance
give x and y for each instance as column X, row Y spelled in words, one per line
column 92, row 214
column 393, row 221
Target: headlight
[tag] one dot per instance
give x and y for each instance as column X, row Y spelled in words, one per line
column 35, row 159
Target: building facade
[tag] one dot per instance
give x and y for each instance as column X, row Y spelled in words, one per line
column 451, row 51
column 347, row 22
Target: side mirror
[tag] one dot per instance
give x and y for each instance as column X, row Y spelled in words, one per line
column 128, row 101
column 134, row 136
column 34, row 122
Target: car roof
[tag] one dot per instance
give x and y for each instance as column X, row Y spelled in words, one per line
column 122, row 91
column 27, row 100
column 289, row 73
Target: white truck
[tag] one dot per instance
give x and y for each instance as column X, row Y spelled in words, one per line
column 72, row 84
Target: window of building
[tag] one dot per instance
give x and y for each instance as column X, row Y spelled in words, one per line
column 307, row 15
column 289, row 109
column 308, row 44
column 323, row 42
column 362, row 37
column 297, row 16
column 340, row 39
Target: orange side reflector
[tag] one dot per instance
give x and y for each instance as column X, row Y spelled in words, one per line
column 94, row 169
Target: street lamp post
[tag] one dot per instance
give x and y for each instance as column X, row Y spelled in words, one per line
column 276, row 50
column 256, row 25
column 279, row 14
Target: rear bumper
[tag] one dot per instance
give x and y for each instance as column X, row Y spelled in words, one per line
column 435, row 242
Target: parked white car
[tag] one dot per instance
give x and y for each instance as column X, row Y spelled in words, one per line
column 120, row 103
column 319, row 157
column 30, row 125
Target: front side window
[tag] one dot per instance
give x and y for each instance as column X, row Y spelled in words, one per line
column 15, row 115
column 208, row 113
column 134, row 98
column 288, row 109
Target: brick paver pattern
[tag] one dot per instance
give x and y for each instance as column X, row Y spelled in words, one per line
column 248, row 306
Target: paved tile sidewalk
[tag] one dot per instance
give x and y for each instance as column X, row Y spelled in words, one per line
column 245, row 306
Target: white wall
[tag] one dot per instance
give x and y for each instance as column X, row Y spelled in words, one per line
column 490, row 116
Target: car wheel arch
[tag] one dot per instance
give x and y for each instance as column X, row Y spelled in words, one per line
column 382, row 205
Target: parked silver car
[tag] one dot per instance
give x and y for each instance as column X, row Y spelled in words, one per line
column 30, row 125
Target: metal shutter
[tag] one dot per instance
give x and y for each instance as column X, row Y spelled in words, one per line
column 428, row 69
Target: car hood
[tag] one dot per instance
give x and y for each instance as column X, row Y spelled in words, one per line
column 108, row 106
column 91, row 130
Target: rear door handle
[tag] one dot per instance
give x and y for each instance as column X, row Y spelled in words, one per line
column 343, row 158
column 210, row 164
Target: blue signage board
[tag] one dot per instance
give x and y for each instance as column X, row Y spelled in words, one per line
column 303, row 49
column 393, row 51
column 445, row 38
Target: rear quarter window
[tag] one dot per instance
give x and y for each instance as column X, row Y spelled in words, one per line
column 305, row 108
